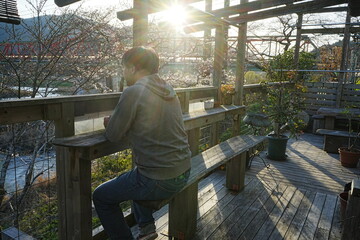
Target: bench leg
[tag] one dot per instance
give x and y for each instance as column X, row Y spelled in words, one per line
column 183, row 213
column 235, row 172
column 75, row 203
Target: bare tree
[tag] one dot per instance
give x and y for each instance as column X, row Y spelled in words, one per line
column 76, row 47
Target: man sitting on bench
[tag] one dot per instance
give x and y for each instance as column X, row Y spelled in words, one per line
column 149, row 114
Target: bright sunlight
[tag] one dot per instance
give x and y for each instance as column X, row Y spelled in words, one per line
column 176, row 16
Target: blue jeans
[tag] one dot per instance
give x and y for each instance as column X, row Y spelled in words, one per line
column 132, row 186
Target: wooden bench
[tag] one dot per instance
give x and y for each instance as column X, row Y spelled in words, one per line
column 331, row 114
column 73, row 166
column 334, row 139
column 183, row 206
column 81, row 149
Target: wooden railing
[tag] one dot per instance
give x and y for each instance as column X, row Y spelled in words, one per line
column 325, row 94
column 65, row 111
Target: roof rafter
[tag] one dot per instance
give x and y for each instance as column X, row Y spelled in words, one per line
column 305, row 7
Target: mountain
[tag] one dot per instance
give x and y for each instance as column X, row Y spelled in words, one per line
column 7, row 29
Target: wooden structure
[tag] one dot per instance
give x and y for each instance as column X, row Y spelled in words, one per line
column 352, row 216
column 82, row 149
column 64, row 111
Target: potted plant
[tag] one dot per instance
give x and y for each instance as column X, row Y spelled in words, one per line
column 227, row 92
column 350, row 155
column 283, row 106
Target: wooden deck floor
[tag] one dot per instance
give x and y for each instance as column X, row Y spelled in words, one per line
column 292, row 199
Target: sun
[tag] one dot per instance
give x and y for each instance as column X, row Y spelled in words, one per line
column 175, row 15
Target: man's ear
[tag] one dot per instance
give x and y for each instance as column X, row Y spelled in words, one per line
column 132, row 69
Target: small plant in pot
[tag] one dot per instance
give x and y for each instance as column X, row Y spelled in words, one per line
column 283, row 106
column 350, row 155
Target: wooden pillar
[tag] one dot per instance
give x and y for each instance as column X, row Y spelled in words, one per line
column 226, row 36
column 344, row 59
column 214, row 139
column 351, row 222
column 78, row 199
column 218, row 60
column 235, row 172
column 182, row 221
column 207, row 33
column 64, row 127
column 298, row 40
column 194, row 136
column 140, row 24
column 240, row 63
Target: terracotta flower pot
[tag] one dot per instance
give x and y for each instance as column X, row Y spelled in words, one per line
column 343, row 203
column 349, row 158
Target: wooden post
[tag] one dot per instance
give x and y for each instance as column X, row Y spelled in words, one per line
column 236, row 125
column 207, row 33
column 214, row 139
column 64, row 127
column 344, row 60
column 226, row 37
column 78, row 199
column 351, row 224
column 240, row 62
column 235, row 172
column 193, row 136
column 182, row 221
column 140, row 24
column 218, row 60
column 298, row 40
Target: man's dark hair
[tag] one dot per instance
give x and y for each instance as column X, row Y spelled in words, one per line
column 142, row 58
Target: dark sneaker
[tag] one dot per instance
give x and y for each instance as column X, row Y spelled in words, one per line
column 150, row 236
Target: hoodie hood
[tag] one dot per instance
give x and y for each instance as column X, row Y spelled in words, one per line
column 158, row 86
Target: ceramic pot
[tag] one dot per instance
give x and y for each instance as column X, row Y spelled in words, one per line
column 348, row 158
column 277, row 147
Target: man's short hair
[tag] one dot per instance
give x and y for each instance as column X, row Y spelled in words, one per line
column 142, row 58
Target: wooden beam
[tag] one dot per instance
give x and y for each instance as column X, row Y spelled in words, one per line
column 218, row 60
column 207, row 33
column 140, row 24
column 330, row 30
column 344, row 60
column 154, row 6
column 240, row 63
column 298, row 39
column 294, row 8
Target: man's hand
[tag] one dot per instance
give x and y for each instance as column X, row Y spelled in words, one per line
column 106, row 121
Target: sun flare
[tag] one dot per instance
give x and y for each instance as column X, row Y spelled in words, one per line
column 176, row 16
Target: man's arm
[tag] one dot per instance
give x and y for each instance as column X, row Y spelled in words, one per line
column 124, row 114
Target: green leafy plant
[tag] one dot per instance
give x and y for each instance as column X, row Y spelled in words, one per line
column 284, row 101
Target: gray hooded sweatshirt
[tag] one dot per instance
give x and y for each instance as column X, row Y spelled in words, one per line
column 149, row 113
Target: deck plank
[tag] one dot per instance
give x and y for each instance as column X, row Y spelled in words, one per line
column 324, row 226
column 298, row 221
column 273, row 217
column 241, row 216
column 283, row 224
column 313, row 217
column 305, row 205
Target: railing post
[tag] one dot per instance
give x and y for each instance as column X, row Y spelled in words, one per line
column 214, row 137
column 218, row 60
column 193, row 136
column 240, row 62
column 351, row 222
column 64, row 127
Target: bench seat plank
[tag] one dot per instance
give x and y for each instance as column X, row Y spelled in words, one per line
column 218, row 155
column 335, row 139
column 336, row 133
